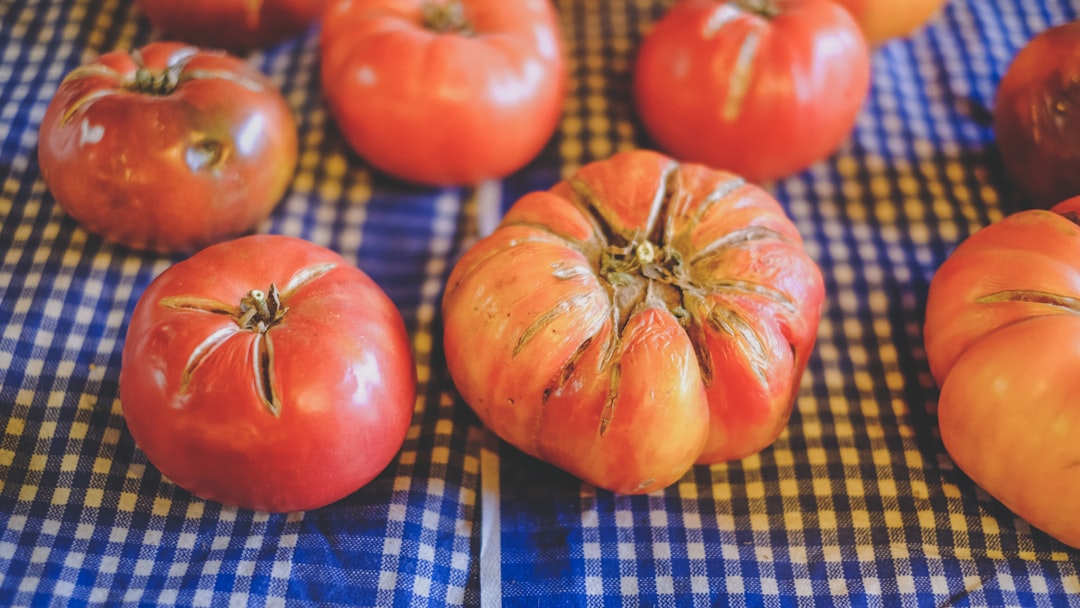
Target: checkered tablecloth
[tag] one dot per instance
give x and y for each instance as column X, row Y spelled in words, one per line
column 857, row 503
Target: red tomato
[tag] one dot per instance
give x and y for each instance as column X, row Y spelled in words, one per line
column 635, row 319
column 444, row 92
column 267, row 373
column 882, row 20
column 168, row 148
column 762, row 89
column 1037, row 116
column 238, row 25
column 1002, row 337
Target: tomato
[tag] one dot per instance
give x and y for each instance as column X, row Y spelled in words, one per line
column 1037, row 116
column 267, row 373
column 883, row 20
column 237, row 25
column 762, row 88
column 168, row 148
column 444, row 93
column 1002, row 338
column 635, row 319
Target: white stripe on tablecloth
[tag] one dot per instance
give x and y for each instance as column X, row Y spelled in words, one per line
column 488, row 198
column 490, row 528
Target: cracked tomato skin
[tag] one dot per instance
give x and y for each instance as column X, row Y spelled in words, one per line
column 236, row 25
column 284, row 409
column 169, row 148
column 637, row 318
column 1002, row 337
column 761, row 89
column 444, row 93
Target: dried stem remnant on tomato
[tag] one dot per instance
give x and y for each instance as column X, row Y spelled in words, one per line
column 257, row 313
column 664, row 265
column 446, row 18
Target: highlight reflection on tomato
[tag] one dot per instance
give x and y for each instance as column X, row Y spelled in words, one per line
column 637, row 318
column 168, row 148
column 267, row 373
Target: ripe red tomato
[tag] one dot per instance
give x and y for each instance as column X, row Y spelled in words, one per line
column 237, row 25
column 267, row 373
column 1002, row 337
column 637, row 318
column 1037, row 116
column 882, row 20
column 168, row 148
column 760, row 88
column 444, row 92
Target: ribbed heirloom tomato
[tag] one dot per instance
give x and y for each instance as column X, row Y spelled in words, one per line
column 637, row 318
column 444, row 91
column 762, row 88
column 1002, row 337
column 167, row 148
column 237, row 25
column 267, row 373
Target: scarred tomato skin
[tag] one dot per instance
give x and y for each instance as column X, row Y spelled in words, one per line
column 235, row 25
column 762, row 89
column 1037, row 116
column 169, row 148
column 883, row 20
column 444, row 93
column 635, row 319
column 285, row 411
column 1002, row 337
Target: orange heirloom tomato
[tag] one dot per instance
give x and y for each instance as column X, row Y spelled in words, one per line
column 882, row 20
column 237, row 25
column 444, row 92
column 267, row 373
column 167, row 148
column 635, row 319
column 1002, row 337
column 762, row 88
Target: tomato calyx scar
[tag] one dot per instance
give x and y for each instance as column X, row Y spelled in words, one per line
column 446, row 18
column 159, row 82
column 260, row 310
column 763, row 8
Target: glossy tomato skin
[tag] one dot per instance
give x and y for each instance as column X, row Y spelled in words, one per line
column 637, row 318
column 289, row 415
column 235, row 25
column 883, row 20
column 1002, row 336
column 169, row 148
column 474, row 100
column 762, row 93
column 1037, row 116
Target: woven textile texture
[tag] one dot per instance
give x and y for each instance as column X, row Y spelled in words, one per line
column 856, row 504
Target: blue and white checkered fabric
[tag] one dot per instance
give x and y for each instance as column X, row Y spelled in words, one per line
column 857, row 503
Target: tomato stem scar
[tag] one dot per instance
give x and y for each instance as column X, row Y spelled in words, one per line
column 446, row 18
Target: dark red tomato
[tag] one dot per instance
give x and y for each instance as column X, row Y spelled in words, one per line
column 1037, row 116
column 448, row 92
column 237, row 25
column 168, row 148
column 267, row 373
column 637, row 318
column 762, row 88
